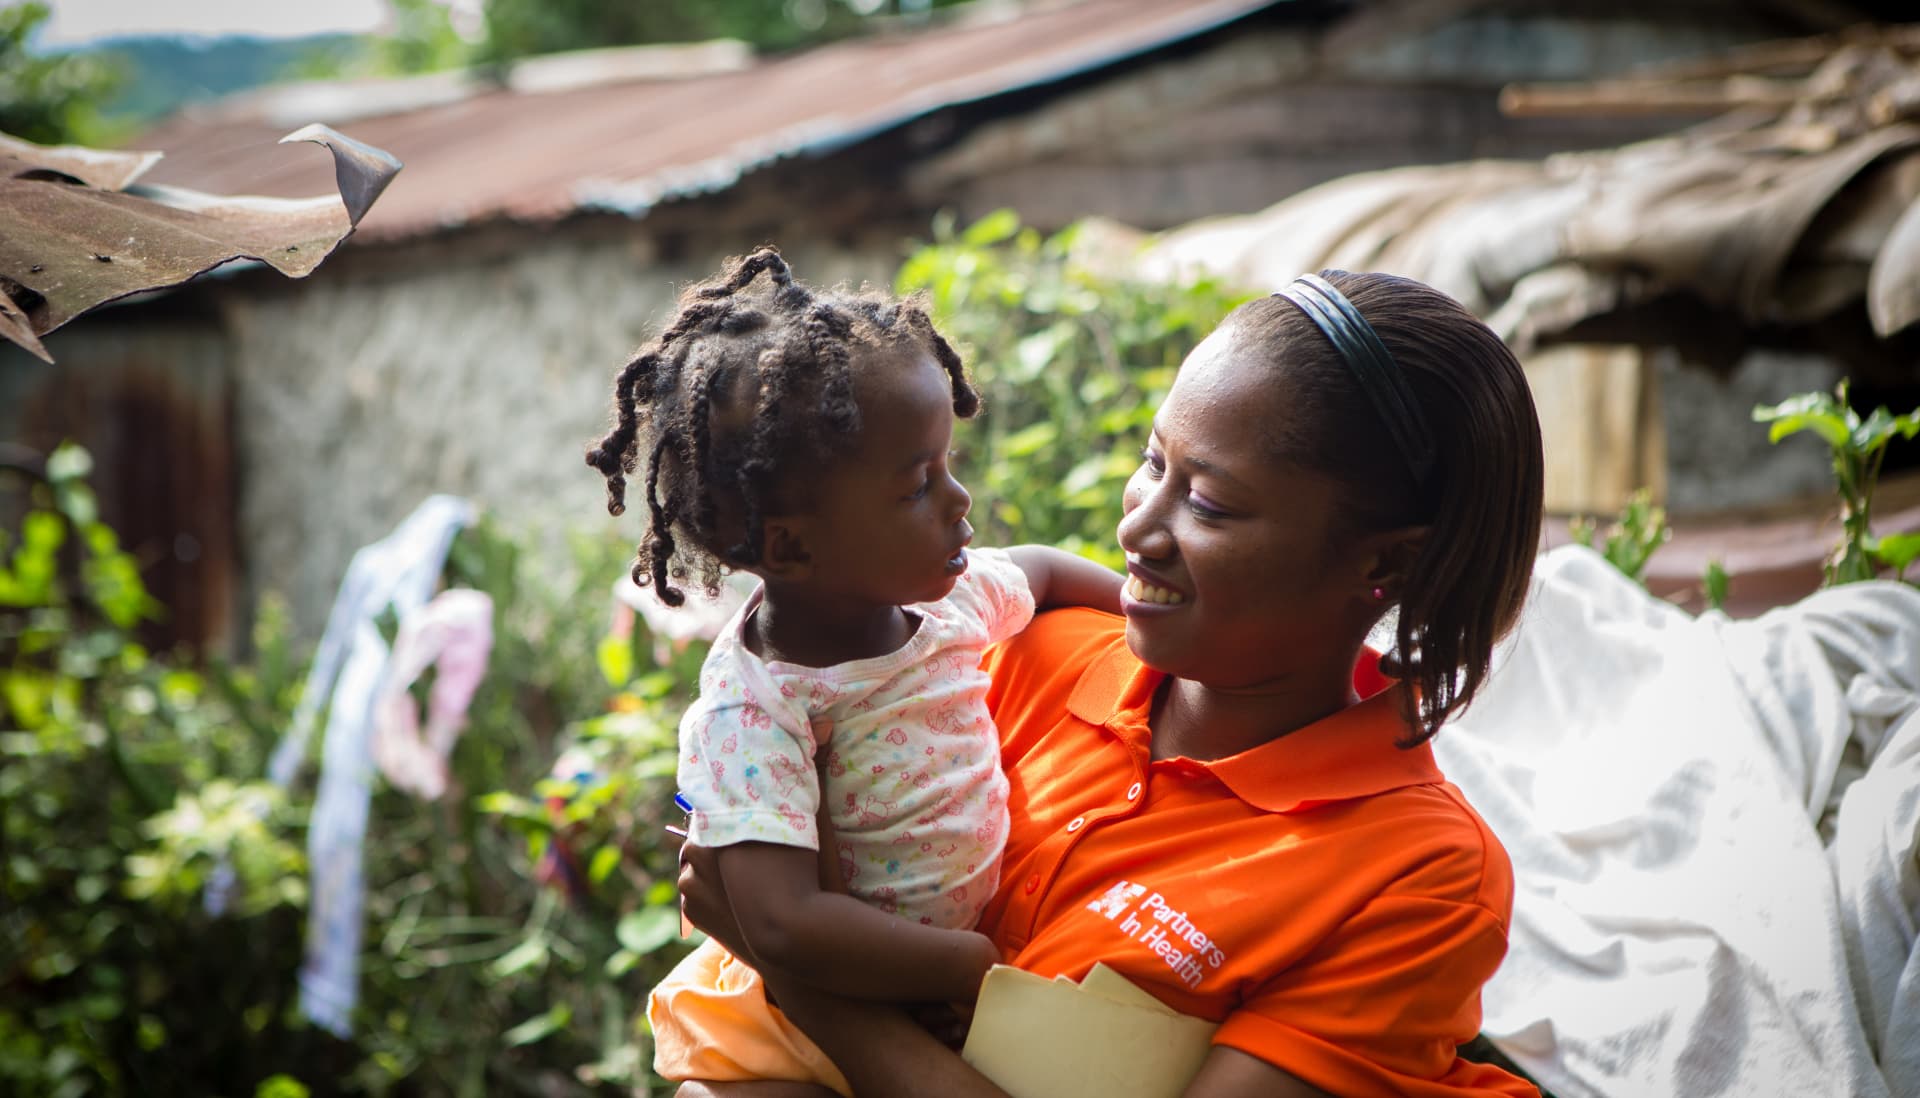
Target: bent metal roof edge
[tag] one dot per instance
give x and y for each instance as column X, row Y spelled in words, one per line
column 625, row 147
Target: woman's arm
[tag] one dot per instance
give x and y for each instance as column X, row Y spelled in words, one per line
column 883, row 1052
column 1059, row 578
column 880, row 1050
column 789, row 925
column 1230, row 1073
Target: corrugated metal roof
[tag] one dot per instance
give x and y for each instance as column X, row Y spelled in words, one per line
column 499, row 153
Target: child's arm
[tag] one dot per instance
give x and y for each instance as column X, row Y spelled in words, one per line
column 837, row 943
column 1059, row 578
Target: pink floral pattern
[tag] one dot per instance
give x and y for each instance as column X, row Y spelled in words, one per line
column 909, row 755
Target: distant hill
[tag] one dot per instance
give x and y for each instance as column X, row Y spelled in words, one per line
column 165, row 73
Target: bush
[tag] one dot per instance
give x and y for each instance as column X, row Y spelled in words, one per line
column 1071, row 364
column 129, row 777
column 101, row 963
column 1858, row 447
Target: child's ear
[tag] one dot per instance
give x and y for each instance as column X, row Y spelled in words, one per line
column 783, row 549
column 1387, row 559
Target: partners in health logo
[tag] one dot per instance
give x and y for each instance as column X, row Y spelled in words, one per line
column 1147, row 918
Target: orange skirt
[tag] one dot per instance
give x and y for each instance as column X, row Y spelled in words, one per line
column 711, row 1020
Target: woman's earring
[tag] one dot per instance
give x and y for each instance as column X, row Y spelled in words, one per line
column 1379, row 594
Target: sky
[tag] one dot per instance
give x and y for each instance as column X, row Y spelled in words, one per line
column 74, row 22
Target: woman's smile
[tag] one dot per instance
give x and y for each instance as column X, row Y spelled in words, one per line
column 1145, row 592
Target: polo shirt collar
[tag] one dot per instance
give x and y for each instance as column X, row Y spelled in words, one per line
column 1350, row 754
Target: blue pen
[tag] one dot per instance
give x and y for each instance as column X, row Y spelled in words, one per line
column 685, row 806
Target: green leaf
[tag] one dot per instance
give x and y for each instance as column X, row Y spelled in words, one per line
column 1896, row 551
column 1714, row 582
column 1818, row 412
column 1580, row 530
column 78, row 501
column 605, row 860
column 621, row 963
column 524, row 956
column 999, row 225
column 648, row 929
column 150, row 1033
column 42, row 533
column 27, row 695
column 1831, row 429
column 538, row 1028
column 281, row 1086
column 515, row 808
column 654, row 685
column 1874, row 431
column 1040, row 350
column 1813, row 403
column 69, row 461
column 1029, row 440
column 615, row 656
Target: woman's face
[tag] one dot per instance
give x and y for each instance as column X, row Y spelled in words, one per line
column 1235, row 576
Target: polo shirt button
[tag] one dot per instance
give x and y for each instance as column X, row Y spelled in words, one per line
column 1133, row 791
column 1033, row 884
column 1078, row 823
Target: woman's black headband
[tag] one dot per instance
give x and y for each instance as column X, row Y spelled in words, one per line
column 1379, row 376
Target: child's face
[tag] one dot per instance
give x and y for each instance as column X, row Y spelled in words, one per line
column 890, row 526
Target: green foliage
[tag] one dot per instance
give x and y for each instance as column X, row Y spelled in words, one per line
column 102, row 990
column 1714, row 583
column 220, row 823
column 126, row 777
column 51, row 99
column 1858, row 447
column 281, row 1086
column 1070, row 362
column 519, row 28
column 1632, row 538
column 423, row 39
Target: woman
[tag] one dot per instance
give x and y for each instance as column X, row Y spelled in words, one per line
column 1223, row 797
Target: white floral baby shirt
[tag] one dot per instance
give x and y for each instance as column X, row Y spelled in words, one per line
column 912, row 760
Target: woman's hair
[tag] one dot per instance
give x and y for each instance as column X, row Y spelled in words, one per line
column 747, row 384
column 1481, row 497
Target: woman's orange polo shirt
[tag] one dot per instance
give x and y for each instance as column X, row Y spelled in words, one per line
column 1328, row 897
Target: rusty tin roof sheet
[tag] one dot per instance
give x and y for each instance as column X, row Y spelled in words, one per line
column 494, row 153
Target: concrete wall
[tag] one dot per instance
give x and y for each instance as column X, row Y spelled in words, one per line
column 1718, row 457
column 360, row 393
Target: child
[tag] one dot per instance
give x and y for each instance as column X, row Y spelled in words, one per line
column 803, row 437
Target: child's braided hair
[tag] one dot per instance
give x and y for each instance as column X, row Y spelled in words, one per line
column 783, row 353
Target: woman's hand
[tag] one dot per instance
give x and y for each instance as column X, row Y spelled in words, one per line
column 946, row 1022
column 883, row 1052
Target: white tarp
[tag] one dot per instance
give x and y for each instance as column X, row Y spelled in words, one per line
column 1713, row 828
